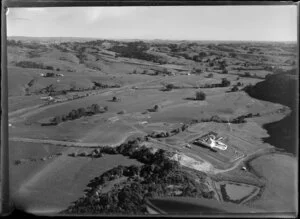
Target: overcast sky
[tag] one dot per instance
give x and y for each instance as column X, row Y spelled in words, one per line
column 258, row 23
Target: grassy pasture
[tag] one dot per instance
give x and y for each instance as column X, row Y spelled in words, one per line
column 279, row 172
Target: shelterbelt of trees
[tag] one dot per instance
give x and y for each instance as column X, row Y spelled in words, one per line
column 76, row 114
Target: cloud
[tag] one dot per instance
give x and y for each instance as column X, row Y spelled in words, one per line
column 96, row 14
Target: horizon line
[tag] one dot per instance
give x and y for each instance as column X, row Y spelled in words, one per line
column 162, row 39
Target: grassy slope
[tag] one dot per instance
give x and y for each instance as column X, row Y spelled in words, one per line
column 280, row 173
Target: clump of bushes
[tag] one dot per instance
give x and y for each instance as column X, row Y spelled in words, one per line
column 237, row 120
column 197, row 70
column 200, row 95
column 96, row 153
column 115, row 99
column 169, row 87
column 225, row 82
column 169, row 133
column 234, row 88
column 210, row 75
column 83, row 154
column 74, row 154
column 156, row 108
column 98, row 85
column 122, row 112
column 136, row 50
column 224, row 71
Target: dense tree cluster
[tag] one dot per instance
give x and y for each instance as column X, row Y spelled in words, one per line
column 29, row 45
column 76, row 114
column 200, row 95
column 14, row 43
column 237, row 120
column 29, row 64
column 136, row 50
column 115, row 99
column 235, row 88
column 224, row 83
column 210, row 75
column 98, row 85
column 279, row 88
column 169, row 87
column 51, row 75
column 156, row 108
column 249, row 75
column 169, row 133
column 159, row 176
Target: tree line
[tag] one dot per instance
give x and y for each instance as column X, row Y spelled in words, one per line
column 29, row 64
column 224, row 83
column 76, row 114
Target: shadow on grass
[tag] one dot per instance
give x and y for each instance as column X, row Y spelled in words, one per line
column 151, row 110
column 190, row 98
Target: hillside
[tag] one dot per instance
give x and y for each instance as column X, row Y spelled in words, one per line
column 280, row 88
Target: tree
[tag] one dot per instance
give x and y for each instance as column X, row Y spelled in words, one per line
column 170, row 86
column 225, row 82
column 64, row 118
column 247, row 74
column 57, row 119
column 267, row 76
column 232, row 54
column 73, row 114
column 202, row 54
column 215, row 118
column 195, row 58
column 95, row 108
column 200, row 95
column 166, row 71
column 156, row 108
column 115, row 99
column 225, row 71
column 122, row 112
column 197, row 70
column 73, row 86
column 145, row 72
column 49, row 68
column 234, row 88
column 210, row 75
column 81, row 111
